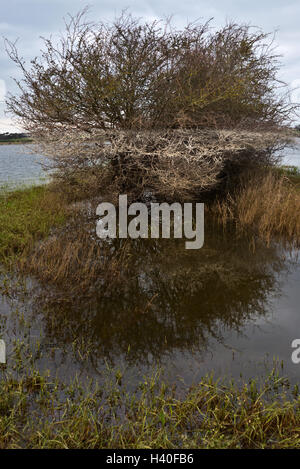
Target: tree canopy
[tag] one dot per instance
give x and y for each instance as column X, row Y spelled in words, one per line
column 135, row 75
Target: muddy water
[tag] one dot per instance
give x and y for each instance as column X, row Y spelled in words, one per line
column 226, row 308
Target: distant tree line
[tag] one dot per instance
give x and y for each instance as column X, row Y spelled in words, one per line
column 7, row 136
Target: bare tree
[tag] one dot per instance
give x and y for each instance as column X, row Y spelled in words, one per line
column 148, row 88
column 129, row 75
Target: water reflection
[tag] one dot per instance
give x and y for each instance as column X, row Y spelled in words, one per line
column 177, row 307
column 172, row 301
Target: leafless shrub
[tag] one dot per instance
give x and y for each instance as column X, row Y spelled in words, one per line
column 147, row 89
column 174, row 164
column 134, row 75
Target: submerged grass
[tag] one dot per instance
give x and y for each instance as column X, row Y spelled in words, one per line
column 39, row 412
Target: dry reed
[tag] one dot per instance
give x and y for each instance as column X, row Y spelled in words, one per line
column 267, row 204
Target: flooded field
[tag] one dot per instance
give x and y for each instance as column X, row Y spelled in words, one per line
column 222, row 309
column 227, row 308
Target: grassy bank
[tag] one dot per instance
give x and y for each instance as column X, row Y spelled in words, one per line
column 16, row 141
column 292, row 173
column 26, row 216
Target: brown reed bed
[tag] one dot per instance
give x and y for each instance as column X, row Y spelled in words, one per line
column 266, row 204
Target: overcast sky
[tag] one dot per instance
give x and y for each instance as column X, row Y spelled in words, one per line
column 27, row 20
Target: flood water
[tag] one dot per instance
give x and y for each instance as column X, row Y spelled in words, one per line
column 19, row 166
column 291, row 156
column 226, row 308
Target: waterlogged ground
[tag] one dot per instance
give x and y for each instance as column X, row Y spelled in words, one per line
column 228, row 308
column 224, row 308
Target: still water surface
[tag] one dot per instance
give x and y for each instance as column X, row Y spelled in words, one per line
column 291, row 156
column 224, row 308
column 19, row 166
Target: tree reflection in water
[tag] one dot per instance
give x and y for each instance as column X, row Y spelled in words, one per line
column 171, row 299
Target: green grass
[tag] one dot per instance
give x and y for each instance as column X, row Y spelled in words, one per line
column 26, row 215
column 15, row 140
column 292, row 173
